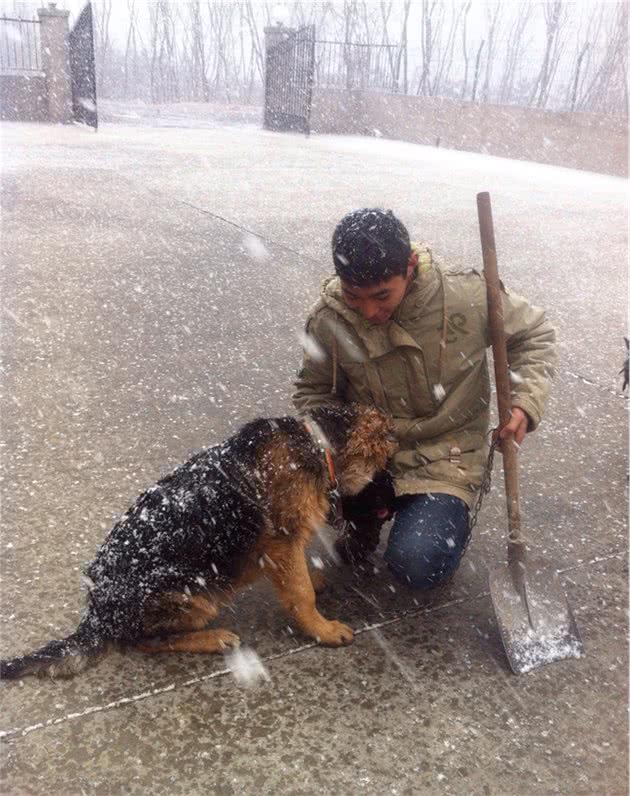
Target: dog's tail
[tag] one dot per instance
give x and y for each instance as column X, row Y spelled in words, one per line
column 59, row 658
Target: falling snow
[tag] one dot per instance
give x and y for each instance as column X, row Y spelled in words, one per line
column 247, row 668
column 123, row 290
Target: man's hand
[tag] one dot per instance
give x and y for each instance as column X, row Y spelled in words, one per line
column 517, row 427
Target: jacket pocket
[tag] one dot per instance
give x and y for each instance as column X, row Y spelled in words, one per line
column 458, row 460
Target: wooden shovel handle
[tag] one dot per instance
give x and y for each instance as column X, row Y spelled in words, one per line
column 501, row 373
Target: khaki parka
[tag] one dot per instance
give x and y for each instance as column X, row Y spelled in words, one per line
column 427, row 368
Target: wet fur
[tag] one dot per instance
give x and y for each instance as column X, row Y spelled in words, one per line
column 245, row 508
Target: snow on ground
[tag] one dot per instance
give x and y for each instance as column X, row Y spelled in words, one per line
column 141, row 321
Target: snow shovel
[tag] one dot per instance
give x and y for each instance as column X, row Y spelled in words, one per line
column 534, row 617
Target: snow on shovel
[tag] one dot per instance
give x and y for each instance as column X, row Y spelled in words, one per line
column 534, row 617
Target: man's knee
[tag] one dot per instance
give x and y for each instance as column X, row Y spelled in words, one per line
column 422, row 568
column 428, row 540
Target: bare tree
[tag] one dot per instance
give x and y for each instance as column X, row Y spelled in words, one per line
column 220, row 23
column 494, row 20
column 445, row 53
column 465, row 49
column 397, row 56
column 392, row 57
column 555, row 17
column 576, row 78
column 168, row 54
column 514, row 49
column 154, row 33
column 102, row 16
column 584, row 40
column 131, row 47
column 198, row 51
column 608, row 88
column 257, row 49
column 429, row 32
column 170, row 50
column 477, row 70
column 403, row 49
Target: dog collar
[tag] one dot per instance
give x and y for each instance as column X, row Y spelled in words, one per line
column 335, row 516
column 316, row 434
column 336, row 519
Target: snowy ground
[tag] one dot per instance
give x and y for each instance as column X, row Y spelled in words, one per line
column 180, row 114
column 141, row 321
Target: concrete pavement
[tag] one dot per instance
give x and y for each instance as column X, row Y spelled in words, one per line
column 141, row 322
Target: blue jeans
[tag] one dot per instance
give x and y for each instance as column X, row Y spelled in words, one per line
column 427, row 539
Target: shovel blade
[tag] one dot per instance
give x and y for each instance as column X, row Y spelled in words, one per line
column 534, row 617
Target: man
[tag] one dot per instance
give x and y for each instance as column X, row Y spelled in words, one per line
column 396, row 330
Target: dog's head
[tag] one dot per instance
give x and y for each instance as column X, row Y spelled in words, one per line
column 361, row 439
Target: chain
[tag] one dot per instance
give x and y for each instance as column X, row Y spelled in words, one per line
column 484, row 488
column 339, row 523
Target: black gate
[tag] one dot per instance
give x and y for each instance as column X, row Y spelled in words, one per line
column 82, row 72
column 289, row 82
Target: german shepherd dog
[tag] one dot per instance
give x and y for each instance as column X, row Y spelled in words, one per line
column 235, row 511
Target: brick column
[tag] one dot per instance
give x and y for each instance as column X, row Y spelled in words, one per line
column 56, row 62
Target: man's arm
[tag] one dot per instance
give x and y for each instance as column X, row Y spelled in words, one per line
column 532, row 357
column 320, row 380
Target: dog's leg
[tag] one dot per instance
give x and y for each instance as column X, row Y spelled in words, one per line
column 199, row 641
column 318, row 579
column 293, row 585
column 179, row 613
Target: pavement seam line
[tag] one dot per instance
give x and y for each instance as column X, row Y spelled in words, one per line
column 593, row 383
column 302, row 255
column 24, row 731
column 249, row 231
column 596, row 560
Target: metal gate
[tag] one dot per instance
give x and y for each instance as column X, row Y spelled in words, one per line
column 289, row 82
column 82, row 72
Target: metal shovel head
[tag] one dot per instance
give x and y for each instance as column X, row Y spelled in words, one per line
column 534, row 617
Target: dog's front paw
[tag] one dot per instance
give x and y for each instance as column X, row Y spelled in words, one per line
column 226, row 639
column 334, row 634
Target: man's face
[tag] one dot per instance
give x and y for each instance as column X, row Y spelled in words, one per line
column 377, row 303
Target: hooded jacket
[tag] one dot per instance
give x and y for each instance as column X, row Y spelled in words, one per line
column 427, row 368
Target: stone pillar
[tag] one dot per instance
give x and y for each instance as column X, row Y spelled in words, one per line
column 54, row 37
column 275, row 34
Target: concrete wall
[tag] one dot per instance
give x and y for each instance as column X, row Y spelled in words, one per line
column 23, row 98
column 576, row 140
